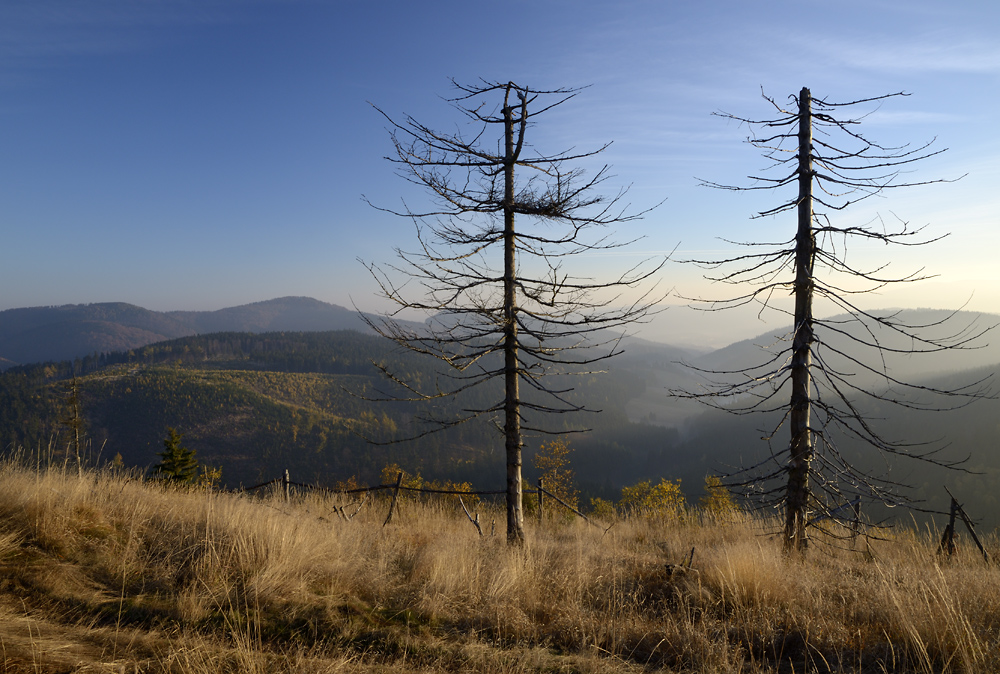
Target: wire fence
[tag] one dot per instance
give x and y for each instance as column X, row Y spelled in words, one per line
column 286, row 485
column 285, row 482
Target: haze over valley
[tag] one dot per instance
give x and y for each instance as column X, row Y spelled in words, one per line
column 270, row 386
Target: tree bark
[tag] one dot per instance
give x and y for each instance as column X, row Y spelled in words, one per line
column 797, row 492
column 512, row 420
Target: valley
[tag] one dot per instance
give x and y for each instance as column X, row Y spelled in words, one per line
column 257, row 403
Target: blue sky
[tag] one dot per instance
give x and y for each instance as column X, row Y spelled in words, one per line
column 198, row 154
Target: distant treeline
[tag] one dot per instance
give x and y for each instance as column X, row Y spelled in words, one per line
column 334, row 352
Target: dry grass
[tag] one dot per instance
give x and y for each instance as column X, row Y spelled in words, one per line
column 108, row 573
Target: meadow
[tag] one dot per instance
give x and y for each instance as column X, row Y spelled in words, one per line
column 106, row 572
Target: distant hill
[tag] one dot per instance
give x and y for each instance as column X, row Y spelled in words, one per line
column 42, row 334
column 286, row 314
column 666, row 367
column 903, row 364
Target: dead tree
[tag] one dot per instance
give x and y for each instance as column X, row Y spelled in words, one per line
column 491, row 268
column 74, row 423
column 833, row 166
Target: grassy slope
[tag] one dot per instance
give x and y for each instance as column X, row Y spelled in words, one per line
column 107, row 573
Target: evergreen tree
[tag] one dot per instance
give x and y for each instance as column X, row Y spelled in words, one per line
column 178, row 464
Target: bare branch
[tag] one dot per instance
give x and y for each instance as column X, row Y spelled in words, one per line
column 826, row 366
column 504, row 307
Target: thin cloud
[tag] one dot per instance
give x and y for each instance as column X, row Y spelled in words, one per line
column 894, row 118
column 929, row 53
column 42, row 33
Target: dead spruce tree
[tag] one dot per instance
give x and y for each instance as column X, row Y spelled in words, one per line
column 821, row 361
column 490, row 268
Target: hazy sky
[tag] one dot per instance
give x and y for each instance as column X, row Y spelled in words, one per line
column 207, row 153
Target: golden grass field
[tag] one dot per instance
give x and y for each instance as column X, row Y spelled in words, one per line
column 109, row 573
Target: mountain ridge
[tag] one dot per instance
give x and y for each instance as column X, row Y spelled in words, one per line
column 935, row 324
column 67, row 332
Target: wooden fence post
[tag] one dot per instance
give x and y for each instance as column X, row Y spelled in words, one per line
column 856, row 526
column 286, row 487
column 948, row 538
column 540, row 510
column 968, row 525
column 395, row 494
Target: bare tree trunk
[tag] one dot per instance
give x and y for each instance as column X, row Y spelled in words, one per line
column 797, row 492
column 507, row 324
column 75, row 424
column 834, row 166
column 512, row 421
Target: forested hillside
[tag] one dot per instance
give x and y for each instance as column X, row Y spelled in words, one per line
column 967, row 435
column 256, row 405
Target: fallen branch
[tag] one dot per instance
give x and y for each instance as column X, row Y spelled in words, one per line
column 360, row 505
column 474, row 521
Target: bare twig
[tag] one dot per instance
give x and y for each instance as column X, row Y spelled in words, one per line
column 475, row 521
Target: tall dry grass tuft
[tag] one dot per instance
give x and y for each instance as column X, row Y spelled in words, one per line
column 194, row 581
